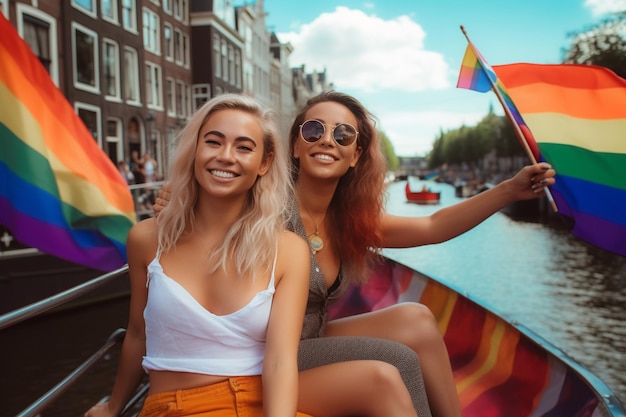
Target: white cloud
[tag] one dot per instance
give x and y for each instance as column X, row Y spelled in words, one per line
column 367, row 53
column 602, row 7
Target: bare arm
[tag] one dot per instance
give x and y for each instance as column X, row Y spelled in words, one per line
column 130, row 372
column 449, row 222
column 280, row 366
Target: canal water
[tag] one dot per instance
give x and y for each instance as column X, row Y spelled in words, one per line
column 570, row 293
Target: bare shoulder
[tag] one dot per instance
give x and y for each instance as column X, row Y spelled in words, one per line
column 291, row 243
column 143, row 236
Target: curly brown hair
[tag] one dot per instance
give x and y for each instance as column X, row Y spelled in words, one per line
column 358, row 202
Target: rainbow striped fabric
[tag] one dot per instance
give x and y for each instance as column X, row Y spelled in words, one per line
column 59, row 192
column 577, row 115
column 499, row 371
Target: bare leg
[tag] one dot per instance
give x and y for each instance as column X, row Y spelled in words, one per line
column 363, row 388
column 327, row 350
column 413, row 325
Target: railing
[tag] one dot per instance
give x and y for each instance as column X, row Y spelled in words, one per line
column 35, row 309
column 143, row 196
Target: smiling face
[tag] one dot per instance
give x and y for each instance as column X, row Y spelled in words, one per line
column 230, row 153
column 325, row 158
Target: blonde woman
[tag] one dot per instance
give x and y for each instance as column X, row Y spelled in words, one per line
column 218, row 286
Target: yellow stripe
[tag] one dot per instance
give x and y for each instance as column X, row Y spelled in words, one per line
column 441, row 301
column 493, row 363
column 73, row 189
column 595, row 135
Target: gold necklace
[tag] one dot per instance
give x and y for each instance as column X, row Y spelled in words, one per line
column 315, row 240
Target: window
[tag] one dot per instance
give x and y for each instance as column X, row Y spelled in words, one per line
column 87, row 6
column 37, row 36
column 111, row 57
column 224, row 60
column 217, row 56
column 108, row 9
column 114, row 144
column 151, row 33
column 38, row 29
column 201, row 94
column 179, row 9
column 171, row 94
column 4, row 8
column 85, row 58
column 167, row 6
column 169, row 42
column 131, row 76
column 90, row 115
column 231, row 65
column 129, row 15
column 178, row 49
column 189, row 111
column 153, row 86
column 238, row 68
column 180, row 98
column 185, row 50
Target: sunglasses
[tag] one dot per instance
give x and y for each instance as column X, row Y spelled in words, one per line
column 313, row 130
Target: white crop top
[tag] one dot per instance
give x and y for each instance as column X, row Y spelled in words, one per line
column 181, row 335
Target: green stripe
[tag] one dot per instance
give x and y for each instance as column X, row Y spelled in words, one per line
column 35, row 169
column 599, row 167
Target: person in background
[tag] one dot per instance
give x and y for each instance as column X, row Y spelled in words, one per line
column 125, row 172
column 218, row 286
column 136, row 166
column 149, row 167
column 338, row 170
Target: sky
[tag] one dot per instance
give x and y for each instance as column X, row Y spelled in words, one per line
column 401, row 58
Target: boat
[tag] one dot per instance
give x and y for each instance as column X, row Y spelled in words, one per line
column 423, row 196
column 501, row 368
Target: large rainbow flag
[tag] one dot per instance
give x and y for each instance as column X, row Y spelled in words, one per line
column 577, row 116
column 59, row 192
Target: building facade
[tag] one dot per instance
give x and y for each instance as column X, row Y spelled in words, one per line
column 135, row 70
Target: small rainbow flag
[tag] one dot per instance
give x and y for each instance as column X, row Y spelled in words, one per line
column 476, row 74
column 59, row 192
column 577, row 114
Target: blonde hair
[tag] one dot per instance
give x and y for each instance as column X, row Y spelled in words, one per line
column 252, row 239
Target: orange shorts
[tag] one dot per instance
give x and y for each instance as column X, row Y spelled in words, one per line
column 240, row 396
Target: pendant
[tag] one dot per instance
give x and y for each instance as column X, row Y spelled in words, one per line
column 316, row 243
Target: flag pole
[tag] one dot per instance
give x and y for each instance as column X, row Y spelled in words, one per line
column 516, row 127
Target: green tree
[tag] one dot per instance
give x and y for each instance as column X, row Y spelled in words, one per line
column 388, row 151
column 603, row 44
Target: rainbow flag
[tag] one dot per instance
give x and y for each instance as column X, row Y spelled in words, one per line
column 59, row 192
column 577, row 115
column 476, row 74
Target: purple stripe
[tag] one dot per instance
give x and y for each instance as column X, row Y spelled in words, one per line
column 58, row 242
column 595, row 230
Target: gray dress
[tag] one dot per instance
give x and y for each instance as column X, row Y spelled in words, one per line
column 317, row 350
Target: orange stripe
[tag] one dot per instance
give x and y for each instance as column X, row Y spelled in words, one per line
column 587, row 77
column 493, row 364
column 441, row 301
column 586, row 104
column 49, row 108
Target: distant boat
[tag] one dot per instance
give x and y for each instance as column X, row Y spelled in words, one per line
column 424, row 196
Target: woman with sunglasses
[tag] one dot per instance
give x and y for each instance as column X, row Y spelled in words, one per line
column 338, row 170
